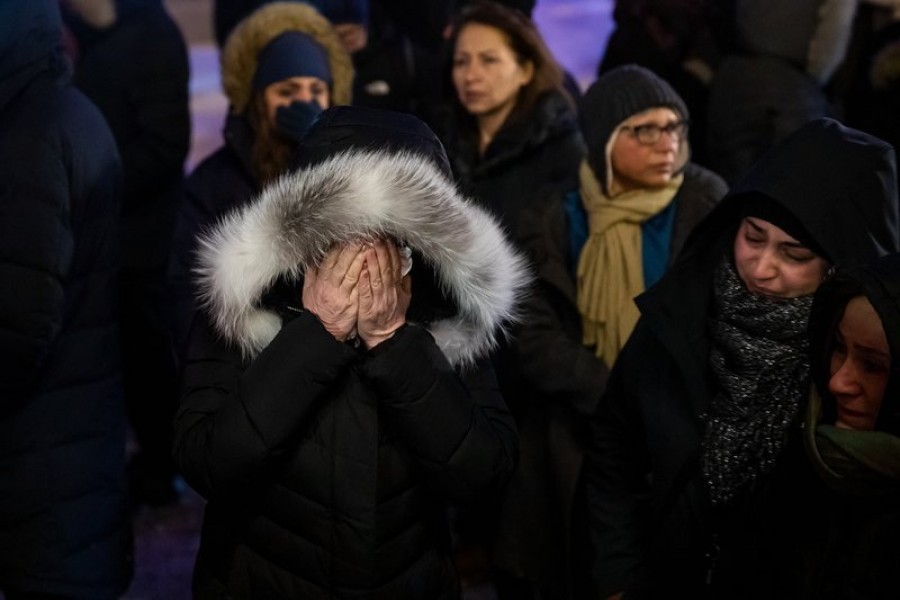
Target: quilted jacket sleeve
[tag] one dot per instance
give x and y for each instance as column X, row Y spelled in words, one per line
column 236, row 421
column 456, row 424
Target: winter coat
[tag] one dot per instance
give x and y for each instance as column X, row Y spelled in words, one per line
column 221, row 183
column 809, row 533
column 328, row 468
column 649, row 527
column 136, row 72
column 773, row 79
column 62, row 417
column 527, row 161
column 226, row 179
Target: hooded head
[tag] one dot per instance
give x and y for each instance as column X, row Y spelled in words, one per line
column 616, row 96
column 839, row 185
column 367, row 173
column 843, row 335
column 249, row 54
column 30, row 42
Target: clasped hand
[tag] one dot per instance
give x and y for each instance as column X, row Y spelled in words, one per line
column 359, row 287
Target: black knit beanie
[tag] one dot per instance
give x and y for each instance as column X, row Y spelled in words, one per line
column 614, row 97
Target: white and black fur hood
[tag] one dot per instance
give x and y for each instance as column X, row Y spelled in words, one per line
column 356, row 194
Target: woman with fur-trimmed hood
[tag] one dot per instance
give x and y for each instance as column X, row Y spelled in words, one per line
column 337, row 392
column 281, row 67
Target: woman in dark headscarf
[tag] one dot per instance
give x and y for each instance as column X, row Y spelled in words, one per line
column 701, row 398
column 825, row 525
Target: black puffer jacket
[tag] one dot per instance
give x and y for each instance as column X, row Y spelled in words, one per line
column 528, row 160
column 64, row 523
column 328, row 468
column 219, row 184
column 650, row 531
column 816, row 529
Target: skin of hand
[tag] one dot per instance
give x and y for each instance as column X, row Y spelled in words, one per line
column 384, row 295
column 331, row 290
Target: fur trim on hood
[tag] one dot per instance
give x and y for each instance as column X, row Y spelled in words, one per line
column 242, row 48
column 356, row 194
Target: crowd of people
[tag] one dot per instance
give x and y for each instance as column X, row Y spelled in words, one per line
column 433, row 314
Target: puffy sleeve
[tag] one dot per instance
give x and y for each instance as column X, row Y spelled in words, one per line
column 454, row 422
column 236, row 421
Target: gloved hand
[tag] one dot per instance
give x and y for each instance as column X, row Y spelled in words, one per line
column 293, row 120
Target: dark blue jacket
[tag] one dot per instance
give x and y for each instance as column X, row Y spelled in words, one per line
column 136, row 72
column 64, row 523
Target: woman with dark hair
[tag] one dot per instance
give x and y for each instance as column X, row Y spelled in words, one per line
column 707, row 387
column 514, row 144
column 514, row 136
column 281, row 66
column 825, row 524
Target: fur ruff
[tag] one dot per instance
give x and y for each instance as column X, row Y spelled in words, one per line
column 359, row 194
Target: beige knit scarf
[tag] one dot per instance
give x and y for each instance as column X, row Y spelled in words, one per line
column 610, row 271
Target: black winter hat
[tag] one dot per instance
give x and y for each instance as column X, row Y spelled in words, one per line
column 343, row 128
column 617, row 95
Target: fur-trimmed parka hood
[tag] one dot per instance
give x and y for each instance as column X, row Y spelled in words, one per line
column 242, row 48
column 363, row 190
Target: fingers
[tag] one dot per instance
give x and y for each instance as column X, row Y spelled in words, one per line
column 388, row 260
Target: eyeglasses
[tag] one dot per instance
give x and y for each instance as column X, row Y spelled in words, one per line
column 650, row 133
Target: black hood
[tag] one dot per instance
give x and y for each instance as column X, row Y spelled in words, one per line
column 880, row 283
column 30, row 44
column 839, row 183
column 343, row 128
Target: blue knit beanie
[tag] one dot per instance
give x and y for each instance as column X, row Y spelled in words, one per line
column 291, row 54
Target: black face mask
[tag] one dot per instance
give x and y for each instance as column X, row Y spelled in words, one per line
column 294, row 120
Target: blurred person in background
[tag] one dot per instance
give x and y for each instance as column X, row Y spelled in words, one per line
column 281, row 67
column 65, row 524
column 514, row 145
column 132, row 62
column 777, row 61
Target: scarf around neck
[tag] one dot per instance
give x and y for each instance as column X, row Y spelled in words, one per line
column 858, row 463
column 759, row 357
column 610, row 269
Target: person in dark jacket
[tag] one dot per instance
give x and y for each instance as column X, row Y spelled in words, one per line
column 514, row 145
column 514, row 136
column 639, row 198
column 281, row 66
column 676, row 39
column 777, row 61
column 337, row 394
column 65, row 528
column 651, row 196
column 132, row 62
column 826, row 522
column 701, row 397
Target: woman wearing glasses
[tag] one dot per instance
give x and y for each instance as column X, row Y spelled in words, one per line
column 639, row 198
column 713, row 379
